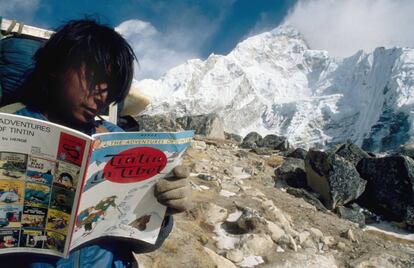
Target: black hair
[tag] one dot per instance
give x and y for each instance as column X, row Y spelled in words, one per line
column 104, row 52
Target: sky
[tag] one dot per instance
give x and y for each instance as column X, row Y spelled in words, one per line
column 166, row 33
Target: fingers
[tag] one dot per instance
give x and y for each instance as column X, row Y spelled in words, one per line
column 181, row 171
column 177, row 205
column 174, row 194
column 164, row 185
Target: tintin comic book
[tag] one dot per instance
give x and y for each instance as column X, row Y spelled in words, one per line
column 60, row 188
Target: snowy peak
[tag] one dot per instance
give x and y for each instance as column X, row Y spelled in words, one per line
column 274, row 83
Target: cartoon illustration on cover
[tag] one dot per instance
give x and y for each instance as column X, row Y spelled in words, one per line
column 88, row 218
column 36, row 195
column 55, row 241
column 32, row 238
column 71, row 149
column 34, row 217
column 67, row 176
column 62, row 199
column 58, row 221
column 9, row 238
column 11, row 192
column 12, row 165
column 10, row 216
column 40, row 170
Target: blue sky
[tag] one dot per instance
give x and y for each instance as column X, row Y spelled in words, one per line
column 190, row 28
column 166, row 33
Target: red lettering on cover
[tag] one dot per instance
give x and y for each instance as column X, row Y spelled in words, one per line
column 136, row 164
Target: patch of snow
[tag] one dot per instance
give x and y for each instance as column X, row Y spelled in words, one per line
column 234, row 216
column 389, row 229
column 225, row 241
column 251, row 261
column 204, row 187
column 227, row 193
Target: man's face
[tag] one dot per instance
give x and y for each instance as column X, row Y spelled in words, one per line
column 78, row 103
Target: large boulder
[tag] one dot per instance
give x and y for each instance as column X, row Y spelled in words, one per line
column 274, row 142
column 251, row 140
column 390, row 187
column 334, row 178
column 298, row 153
column 209, row 125
column 350, row 152
column 157, row 123
column 292, row 171
column 233, row 137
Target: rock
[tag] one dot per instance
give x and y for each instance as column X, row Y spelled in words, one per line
column 311, row 198
column 349, row 234
column 303, row 236
column 287, row 241
column 206, row 177
column 274, row 142
column 352, row 213
column 257, row 244
column 199, row 145
column 328, row 240
column 308, row 244
column 248, row 222
column 341, row 246
column 214, row 214
column 219, row 260
column 209, row 125
column 235, row 255
column 333, row 177
column 350, row 152
column 316, row 233
column 292, row 171
column 275, row 231
column 157, row 123
column 303, row 260
column 251, row 140
column 298, row 153
column 390, row 187
column 233, row 137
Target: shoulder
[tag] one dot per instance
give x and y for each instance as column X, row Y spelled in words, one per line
column 110, row 126
column 21, row 109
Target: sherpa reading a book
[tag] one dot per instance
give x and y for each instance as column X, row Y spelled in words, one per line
column 60, row 188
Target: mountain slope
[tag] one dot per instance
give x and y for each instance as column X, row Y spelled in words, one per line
column 274, row 83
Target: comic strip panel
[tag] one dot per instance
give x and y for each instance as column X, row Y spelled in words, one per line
column 62, row 199
column 67, row 176
column 9, row 238
column 55, row 241
column 37, row 195
column 71, row 149
column 11, row 192
column 58, row 221
column 12, row 166
column 32, row 238
column 34, row 217
column 40, row 170
column 11, row 216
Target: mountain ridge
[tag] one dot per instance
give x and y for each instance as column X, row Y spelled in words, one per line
column 274, row 83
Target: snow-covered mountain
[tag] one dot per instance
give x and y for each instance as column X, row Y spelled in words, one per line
column 274, row 83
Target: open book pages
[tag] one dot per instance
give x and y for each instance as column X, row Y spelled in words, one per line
column 60, row 188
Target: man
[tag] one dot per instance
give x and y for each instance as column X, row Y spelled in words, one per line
column 82, row 68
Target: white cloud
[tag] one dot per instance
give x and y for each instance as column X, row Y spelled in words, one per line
column 24, row 9
column 156, row 52
column 344, row 26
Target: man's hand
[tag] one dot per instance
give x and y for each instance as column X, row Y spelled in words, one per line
column 175, row 192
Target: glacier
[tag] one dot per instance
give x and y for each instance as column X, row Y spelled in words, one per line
column 274, row 83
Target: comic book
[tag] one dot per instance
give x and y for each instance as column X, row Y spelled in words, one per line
column 60, row 188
